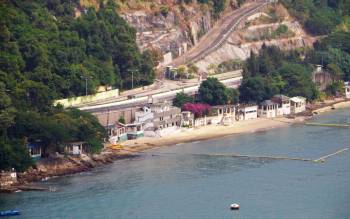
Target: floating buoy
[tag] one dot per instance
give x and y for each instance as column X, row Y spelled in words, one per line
column 234, row 206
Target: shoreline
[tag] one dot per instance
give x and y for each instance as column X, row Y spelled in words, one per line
column 211, row 132
column 61, row 166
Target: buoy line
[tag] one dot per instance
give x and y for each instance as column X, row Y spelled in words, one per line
column 323, row 158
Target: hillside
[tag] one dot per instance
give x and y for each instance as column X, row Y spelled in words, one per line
column 47, row 52
column 170, row 27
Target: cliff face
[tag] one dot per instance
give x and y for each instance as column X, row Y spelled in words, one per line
column 169, row 33
column 270, row 26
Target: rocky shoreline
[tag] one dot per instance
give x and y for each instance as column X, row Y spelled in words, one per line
column 63, row 165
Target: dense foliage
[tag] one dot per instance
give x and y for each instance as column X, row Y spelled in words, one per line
column 319, row 16
column 274, row 72
column 198, row 109
column 182, row 98
column 49, row 49
column 213, row 92
column 44, row 42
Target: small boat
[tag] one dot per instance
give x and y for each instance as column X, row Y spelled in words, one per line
column 9, row 213
column 234, row 206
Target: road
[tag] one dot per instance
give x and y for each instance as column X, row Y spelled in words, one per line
column 218, row 34
column 166, row 91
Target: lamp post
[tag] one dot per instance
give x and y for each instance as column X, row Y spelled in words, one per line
column 132, row 76
column 86, row 81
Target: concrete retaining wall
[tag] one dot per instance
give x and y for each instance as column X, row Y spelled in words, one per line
column 74, row 101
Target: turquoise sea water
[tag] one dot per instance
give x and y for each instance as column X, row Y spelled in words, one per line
column 176, row 182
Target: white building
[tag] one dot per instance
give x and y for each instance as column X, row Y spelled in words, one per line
column 268, row 109
column 283, row 104
column 246, row 112
column 187, row 119
column 347, row 89
column 75, row 148
column 297, row 104
column 159, row 119
column 225, row 114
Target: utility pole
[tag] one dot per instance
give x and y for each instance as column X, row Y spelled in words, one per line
column 108, row 117
column 132, row 77
column 86, row 82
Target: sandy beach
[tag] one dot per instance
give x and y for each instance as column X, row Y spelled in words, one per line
column 209, row 132
column 217, row 131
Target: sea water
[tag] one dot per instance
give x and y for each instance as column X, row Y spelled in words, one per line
column 185, row 181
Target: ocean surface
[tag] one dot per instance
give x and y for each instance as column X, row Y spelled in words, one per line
column 188, row 181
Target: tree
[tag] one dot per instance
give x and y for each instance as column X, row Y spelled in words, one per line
column 233, row 96
column 337, row 73
column 335, row 88
column 182, row 98
column 298, row 82
column 181, row 71
column 198, row 109
column 212, row 92
column 255, row 89
column 7, row 112
column 121, row 119
column 192, row 69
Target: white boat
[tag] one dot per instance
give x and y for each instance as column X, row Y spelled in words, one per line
column 234, row 206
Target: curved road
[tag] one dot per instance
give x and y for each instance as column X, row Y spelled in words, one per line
column 218, row 34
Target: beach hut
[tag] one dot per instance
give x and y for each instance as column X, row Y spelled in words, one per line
column 297, row 104
column 34, row 150
column 246, row 112
column 268, row 109
column 347, row 89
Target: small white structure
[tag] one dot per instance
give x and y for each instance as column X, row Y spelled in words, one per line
column 268, row 109
column 247, row 112
column 75, row 148
column 187, row 119
column 297, row 104
column 7, row 178
column 283, row 104
column 347, row 89
column 34, row 150
column 117, row 132
column 225, row 114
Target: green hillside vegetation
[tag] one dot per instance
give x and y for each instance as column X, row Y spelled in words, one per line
column 273, row 71
column 319, row 17
column 46, row 53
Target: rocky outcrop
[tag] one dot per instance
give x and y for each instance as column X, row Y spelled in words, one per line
column 59, row 166
column 255, row 31
column 174, row 32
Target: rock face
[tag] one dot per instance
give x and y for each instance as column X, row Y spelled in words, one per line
column 59, row 166
column 174, row 32
column 252, row 34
